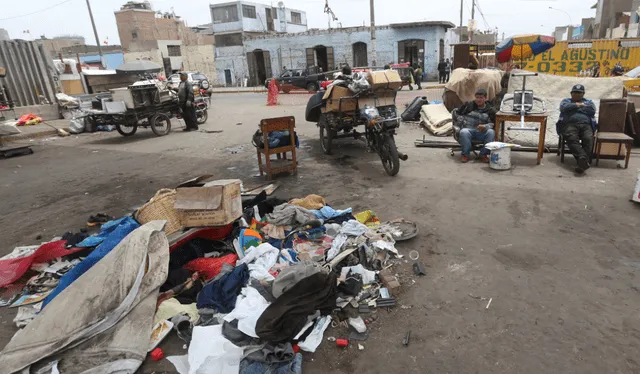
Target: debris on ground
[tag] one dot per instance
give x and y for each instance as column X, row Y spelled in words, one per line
column 245, row 284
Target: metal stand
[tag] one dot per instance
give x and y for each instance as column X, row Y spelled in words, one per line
column 525, row 108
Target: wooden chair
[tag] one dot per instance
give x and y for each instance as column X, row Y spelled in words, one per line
column 610, row 142
column 281, row 164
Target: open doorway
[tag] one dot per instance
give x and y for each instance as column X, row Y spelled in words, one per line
column 227, row 77
column 360, row 54
column 321, row 57
column 411, row 51
column 259, row 64
column 261, row 73
column 441, row 50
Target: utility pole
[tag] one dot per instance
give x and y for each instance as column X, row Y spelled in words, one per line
column 373, row 33
column 95, row 32
column 461, row 14
column 473, row 17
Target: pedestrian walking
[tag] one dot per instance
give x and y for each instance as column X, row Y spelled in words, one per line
column 417, row 75
column 186, row 101
column 447, row 71
column 442, row 72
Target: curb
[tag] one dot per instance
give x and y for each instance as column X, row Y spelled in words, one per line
column 238, row 91
column 34, row 135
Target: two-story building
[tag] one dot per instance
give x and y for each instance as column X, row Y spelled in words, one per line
column 234, row 22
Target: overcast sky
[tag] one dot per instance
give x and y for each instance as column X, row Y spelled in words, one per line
column 44, row 17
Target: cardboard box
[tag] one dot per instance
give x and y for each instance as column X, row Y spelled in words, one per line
column 333, row 95
column 216, row 203
column 381, row 99
column 393, row 79
column 378, row 80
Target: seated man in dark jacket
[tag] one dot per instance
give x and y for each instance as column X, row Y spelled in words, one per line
column 476, row 119
column 578, row 114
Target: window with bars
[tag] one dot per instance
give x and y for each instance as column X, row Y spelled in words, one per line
column 248, row 11
column 173, row 50
column 225, row 14
column 296, row 18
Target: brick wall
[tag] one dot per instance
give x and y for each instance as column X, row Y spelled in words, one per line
column 200, row 58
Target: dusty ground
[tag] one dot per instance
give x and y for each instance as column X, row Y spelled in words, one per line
column 558, row 255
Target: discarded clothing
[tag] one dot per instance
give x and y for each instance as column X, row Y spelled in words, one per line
column 328, row 212
column 194, row 249
column 313, row 250
column 336, row 246
column 291, row 275
column 102, row 323
column 209, row 353
column 111, row 235
column 73, row 239
column 289, row 215
column 26, row 314
column 222, row 294
column 13, row 266
column 310, row 202
column 340, row 219
column 230, row 332
column 272, row 353
column 368, row 276
column 368, row 218
column 313, row 340
column 283, row 319
column 172, row 307
column 249, row 306
column 254, row 367
column 210, row 267
column 260, row 260
column 353, row 228
column 249, row 238
column 273, row 231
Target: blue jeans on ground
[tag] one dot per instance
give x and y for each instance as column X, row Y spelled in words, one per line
column 467, row 135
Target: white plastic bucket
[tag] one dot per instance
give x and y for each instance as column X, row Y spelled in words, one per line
column 636, row 192
column 500, row 159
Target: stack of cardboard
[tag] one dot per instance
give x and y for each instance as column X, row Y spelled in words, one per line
column 385, row 79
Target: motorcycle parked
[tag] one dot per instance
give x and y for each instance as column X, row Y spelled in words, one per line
column 202, row 106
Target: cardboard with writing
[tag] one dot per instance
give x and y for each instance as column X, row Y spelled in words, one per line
column 216, row 203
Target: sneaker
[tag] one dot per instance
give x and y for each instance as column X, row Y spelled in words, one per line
column 464, row 159
column 484, row 159
column 578, row 170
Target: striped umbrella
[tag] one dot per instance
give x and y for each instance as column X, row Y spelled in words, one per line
column 522, row 47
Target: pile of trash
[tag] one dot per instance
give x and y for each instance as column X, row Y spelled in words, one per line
column 244, row 297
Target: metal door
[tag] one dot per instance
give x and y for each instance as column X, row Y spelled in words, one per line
column 330, row 60
column 253, row 69
column 311, row 61
column 267, row 63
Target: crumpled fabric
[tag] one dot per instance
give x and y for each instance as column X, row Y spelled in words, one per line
column 270, row 353
column 336, row 246
column 353, row 228
column 273, row 231
column 368, row 276
column 255, row 367
column 222, row 294
column 289, row 276
column 285, row 317
column 260, row 260
column 310, row 202
column 328, row 212
column 289, row 215
column 209, row 353
column 109, row 238
column 172, row 307
column 210, row 267
column 368, row 218
column 249, row 306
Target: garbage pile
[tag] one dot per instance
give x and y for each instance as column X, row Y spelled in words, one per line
column 245, row 296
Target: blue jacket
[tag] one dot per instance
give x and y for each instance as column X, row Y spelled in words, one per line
column 571, row 113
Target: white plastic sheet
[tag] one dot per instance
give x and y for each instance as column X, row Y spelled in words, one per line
column 209, row 353
column 249, row 306
column 315, row 338
column 368, row 276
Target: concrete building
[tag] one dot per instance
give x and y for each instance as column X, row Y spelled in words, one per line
column 60, row 44
column 610, row 15
column 163, row 38
column 233, row 22
column 4, row 34
column 416, row 43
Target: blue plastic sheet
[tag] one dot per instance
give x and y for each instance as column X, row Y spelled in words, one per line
column 111, row 235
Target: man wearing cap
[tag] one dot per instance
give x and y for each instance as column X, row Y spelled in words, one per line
column 185, row 99
column 476, row 119
column 578, row 118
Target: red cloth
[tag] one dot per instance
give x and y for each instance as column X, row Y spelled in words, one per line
column 213, row 233
column 210, row 267
column 12, row 269
column 274, row 91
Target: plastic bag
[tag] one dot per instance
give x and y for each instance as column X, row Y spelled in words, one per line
column 76, row 125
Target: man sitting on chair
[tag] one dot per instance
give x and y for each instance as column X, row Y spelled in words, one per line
column 476, row 121
column 578, row 116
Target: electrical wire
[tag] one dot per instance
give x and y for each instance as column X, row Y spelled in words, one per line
column 482, row 14
column 37, row 11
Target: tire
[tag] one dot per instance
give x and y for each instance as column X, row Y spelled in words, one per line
column 389, row 155
column 410, row 87
column 126, row 130
column 202, row 116
column 160, row 124
column 204, row 84
column 313, row 87
column 326, row 135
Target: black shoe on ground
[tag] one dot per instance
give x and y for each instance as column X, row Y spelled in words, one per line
column 583, row 163
column 578, row 170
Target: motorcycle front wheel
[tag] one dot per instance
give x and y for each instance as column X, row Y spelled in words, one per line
column 389, row 155
column 202, row 116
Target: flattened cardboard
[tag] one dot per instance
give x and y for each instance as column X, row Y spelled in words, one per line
column 228, row 208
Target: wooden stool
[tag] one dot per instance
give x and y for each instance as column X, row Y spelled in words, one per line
column 614, row 138
column 281, row 164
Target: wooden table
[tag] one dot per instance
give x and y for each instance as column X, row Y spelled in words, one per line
column 615, row 138
column 502, row 117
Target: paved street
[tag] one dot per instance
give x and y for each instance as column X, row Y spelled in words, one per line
column 556, row 254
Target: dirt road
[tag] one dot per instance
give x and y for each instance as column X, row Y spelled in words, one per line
column 557, row 255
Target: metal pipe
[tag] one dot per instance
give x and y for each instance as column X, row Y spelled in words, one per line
column 95, row 33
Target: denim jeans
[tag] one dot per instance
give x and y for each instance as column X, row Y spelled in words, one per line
column 467, row 135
